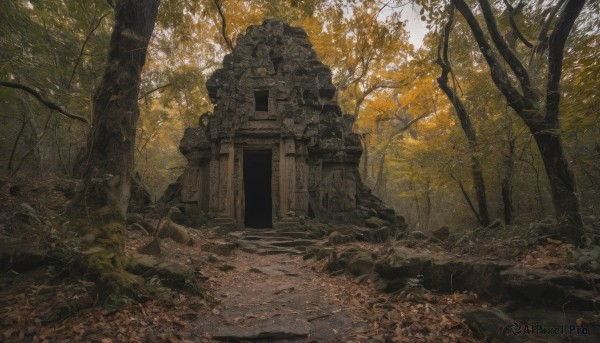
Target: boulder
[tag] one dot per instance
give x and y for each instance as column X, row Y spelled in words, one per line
column 373, row 235
column 176, row 232
column 442, row 233
column 491, row 324
column 361, row 264
column 152, row 248
column 134, row 218
column 172, row 272
column 375, row 222
column 417, row 235
column 337, row 238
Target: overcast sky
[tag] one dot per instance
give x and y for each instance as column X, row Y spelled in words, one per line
column 414, row 25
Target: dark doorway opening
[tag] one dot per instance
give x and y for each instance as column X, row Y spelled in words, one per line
column 257, row 189
column 261, row 100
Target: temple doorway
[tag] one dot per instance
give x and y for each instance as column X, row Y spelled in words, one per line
column 257, row 189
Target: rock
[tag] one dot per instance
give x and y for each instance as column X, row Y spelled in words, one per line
column 318, row 252
column 361, row 264
column 379, row 284
column 491, row 324
column 442, row 233
column 222, row 249
column 20, row 258
column 152, row 248
column 175, row 215
column 27, row 214
column 171, row 195
column 387, row 214
column 212, row 259
column 140, row 195
column 401, row 222
column 226, row 267
column 176, row 232
column 172, row 272
column 150, row 228
column 134, row 218
column 417, row 235
column 359, row 280
column 275, row 328
column 495, row 224
column 373, row 235
column 337, row 238
column 375, row 223
column 15, row 190
column 137, row 226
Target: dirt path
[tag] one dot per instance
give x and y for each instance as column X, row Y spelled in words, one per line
column 283, row 297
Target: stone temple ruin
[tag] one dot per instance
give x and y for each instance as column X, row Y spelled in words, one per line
column 277, row 147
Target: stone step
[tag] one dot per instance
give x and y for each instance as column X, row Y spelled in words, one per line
column 262, row 248
column 305, row 235
column 293, row 243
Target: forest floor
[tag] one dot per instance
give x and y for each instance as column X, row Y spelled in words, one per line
column 242, row 294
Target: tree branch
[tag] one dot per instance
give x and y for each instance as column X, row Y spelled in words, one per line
column 556, row 46
column 87, row 38
column 51, row 105
column 154, row 90
column 467, row 198
column 543, row 34
column 219, row 7
column 507, row 53
column 518, row 102
column 443, row 61
column 513, row 24
column 408, row 125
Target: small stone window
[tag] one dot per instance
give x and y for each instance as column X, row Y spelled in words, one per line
column 261, row 100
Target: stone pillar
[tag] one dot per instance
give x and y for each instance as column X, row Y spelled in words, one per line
column 222, row 173
column 214, row 177
column 282, row 180
column 290, row 163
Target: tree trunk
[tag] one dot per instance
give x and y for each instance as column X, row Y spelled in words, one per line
column 365, row 159
column 107, row 165
column 525, row 100
column 507, row 183
column 465, row 122
column 379, row 184
column 562, row 184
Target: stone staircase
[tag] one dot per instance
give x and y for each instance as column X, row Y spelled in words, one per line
column 292, row 241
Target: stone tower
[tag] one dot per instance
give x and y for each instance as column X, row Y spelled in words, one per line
column 277, row 146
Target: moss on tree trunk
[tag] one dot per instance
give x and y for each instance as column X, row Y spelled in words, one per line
column 106, row 165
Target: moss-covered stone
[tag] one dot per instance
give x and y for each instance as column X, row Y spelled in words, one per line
column 375, row 223
column 337, row 238
column 176, row 232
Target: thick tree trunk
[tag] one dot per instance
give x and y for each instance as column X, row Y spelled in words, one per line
column 562, row 184
column 107, row 165
column 110, row 146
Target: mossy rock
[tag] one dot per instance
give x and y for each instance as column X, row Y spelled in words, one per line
column 172, row 273
column 361, row 264
column 337, row 238
column 176, row 232
column 373, row 235
column 375, row 223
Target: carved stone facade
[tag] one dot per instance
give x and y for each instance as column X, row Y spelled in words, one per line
column 277, row 146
